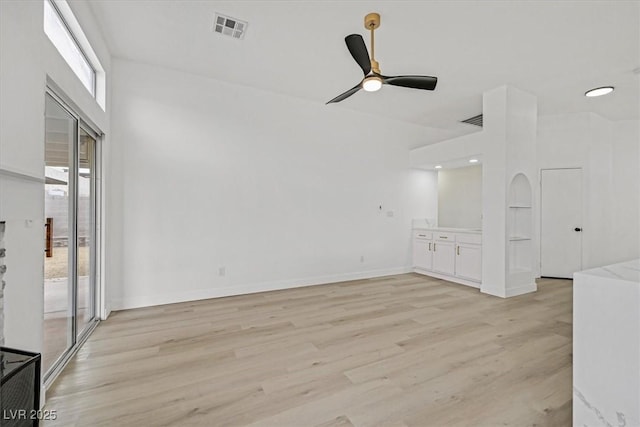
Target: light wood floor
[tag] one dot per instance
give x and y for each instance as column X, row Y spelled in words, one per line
column 402, row 350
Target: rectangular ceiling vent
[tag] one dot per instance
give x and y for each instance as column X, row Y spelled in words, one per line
column 229, row 26
column 475, row 120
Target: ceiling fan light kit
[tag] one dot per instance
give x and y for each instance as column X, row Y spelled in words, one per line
column 372, row 83
column 373, row 78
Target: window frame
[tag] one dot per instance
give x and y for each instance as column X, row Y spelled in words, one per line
column 78, row 45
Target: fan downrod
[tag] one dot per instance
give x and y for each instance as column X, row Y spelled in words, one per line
column 371, row 22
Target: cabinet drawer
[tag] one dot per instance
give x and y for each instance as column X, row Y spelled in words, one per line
column 445, row 237
column 469, row 238
column 422, row 234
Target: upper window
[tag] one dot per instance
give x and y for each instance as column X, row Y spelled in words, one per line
column 63, row 39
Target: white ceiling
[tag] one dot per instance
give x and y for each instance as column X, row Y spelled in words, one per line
column 554, row 49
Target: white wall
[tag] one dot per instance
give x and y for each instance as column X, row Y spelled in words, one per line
column 27, row 60
column 609, row 155
column 624, row 239
column 22, row 80
column 460, row 197
column 454, row 152
column 277, row 190
column 422, row 194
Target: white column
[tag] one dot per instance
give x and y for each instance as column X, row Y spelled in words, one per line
column 510, row 121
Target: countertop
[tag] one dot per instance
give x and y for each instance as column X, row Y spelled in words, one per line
column 628, row 271
column 427, row 224
column 606, row 345
column 450, row 230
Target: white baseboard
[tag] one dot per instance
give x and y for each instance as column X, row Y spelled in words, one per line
column 447, row 277
column 511, row 292
column 523, row 289
column 493, row 292
column 200, row 294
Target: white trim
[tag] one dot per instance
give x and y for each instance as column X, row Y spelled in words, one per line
column 20, row 174
column 497, row 293
column 102, row 309
column 448, row 278
column 513, row 292
column 200, row 294
column 523, row 289
column 53, row 89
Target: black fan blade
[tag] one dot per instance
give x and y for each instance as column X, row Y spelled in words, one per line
column 355, row 44
column 347, row 94
column 413, row 82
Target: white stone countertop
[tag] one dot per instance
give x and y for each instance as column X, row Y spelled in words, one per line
column 450, row 230
column 606, row 346
column 628, row 271
column 427, row 224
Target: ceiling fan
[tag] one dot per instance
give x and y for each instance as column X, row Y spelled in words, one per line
column 373, row 79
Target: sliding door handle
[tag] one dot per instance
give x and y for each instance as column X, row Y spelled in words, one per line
column 48, row 247
column 577, row 229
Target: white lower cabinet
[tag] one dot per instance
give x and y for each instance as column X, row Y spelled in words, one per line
column 456, row 257
column 422, row 255
column 444, row 257
column 469, row 261
column 422, row 250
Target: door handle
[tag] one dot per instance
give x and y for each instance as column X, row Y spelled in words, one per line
column 429, row 245
column 434, row 247
column 577, row 229
column 458, row 250
column 48, row 247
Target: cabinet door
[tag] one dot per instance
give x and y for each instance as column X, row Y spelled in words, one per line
column 444, row 257
column 422, row 254
column 469, row 261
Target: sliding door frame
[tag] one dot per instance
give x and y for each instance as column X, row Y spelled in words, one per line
column 96, row 233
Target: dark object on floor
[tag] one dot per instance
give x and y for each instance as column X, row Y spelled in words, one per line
column 19, row 388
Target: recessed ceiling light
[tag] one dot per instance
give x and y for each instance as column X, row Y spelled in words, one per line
column 438, row 166
column 473, row 161
column 599, row 91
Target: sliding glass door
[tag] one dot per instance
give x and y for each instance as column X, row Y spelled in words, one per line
column 70, row 232
column 86, row 179
column 60, row 138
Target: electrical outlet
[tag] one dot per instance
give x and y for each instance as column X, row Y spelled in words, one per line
column 361, row 258
column 222, row 271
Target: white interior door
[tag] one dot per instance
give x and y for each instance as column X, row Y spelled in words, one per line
column 561, row 222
